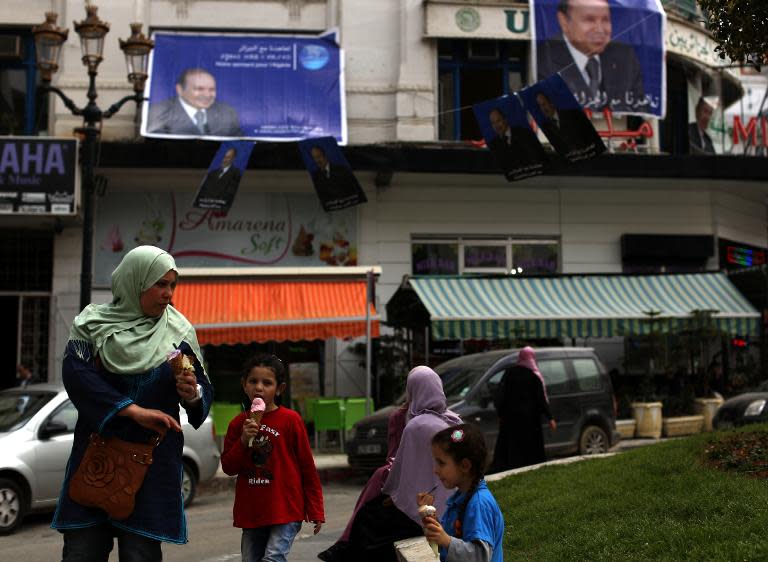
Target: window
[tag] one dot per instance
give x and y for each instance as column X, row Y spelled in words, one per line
column 507, row 255
column 18, row 85
column 435, row 258
column 471, row 71
column 65, row 415
column 555, row 375
column 587, row 374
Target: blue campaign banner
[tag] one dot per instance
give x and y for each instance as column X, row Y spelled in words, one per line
column 509, row 136
column 562, row 119
column 276, row 88
column 609, row 52
column 335, row 183
column 219, row 186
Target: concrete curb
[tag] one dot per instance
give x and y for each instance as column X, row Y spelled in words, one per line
column 623, row 445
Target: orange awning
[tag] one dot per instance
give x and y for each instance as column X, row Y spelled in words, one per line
column 231, row 311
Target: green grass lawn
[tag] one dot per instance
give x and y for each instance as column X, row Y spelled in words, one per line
column 658, row 502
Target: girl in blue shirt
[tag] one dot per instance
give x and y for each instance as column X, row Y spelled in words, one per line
column 472, row 526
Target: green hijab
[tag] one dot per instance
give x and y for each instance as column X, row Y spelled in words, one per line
column 126, row 340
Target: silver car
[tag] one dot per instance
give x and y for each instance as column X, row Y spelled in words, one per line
column 37, row 425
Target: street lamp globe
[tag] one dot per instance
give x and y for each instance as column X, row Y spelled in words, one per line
column 49, row 38
column 136, row 49
column 92, row 32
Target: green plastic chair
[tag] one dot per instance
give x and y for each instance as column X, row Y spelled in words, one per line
column 354, row 411
column 223, row 413
column 328, row 415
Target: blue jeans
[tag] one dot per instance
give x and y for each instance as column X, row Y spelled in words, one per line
column 93, row 544
column 268, row 544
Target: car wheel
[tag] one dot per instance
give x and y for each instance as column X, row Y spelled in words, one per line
column 12, row 506
column 593, row 441
column 188, row 484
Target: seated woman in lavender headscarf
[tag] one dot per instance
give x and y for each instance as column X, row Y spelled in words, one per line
column 393, row 515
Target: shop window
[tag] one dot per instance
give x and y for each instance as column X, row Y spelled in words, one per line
column 18, row 85
column 484, row 255
column 435, row 258
column 587, row 374
column 471, row 71
column 535, row 258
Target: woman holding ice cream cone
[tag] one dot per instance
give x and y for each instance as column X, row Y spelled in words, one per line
column 118, row 375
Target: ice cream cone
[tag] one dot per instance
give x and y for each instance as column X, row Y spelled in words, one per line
column 180, row 363
column 426, row 511
column 258, row 407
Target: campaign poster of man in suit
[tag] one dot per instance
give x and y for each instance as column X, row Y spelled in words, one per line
column 699, row 141
column 219, row 187
column 335, row 184
column 562, row 119
column 610, row 55
column 195, row 111
column 510, row 138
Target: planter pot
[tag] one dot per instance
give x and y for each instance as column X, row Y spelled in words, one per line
column 648, row 418
column 626, row 428
column 707, row 407
column 682, row 425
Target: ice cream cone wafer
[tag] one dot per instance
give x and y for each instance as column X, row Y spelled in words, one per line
column 426, row 511
column 258, row 407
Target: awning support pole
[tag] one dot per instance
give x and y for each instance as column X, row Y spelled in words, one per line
column 368, row 299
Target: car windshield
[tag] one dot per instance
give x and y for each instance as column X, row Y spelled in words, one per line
column 460, row 374
column 16, row 408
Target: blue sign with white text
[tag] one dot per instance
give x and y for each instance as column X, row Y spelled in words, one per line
column 277, row 88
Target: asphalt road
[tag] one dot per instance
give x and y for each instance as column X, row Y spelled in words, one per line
column 212, row 537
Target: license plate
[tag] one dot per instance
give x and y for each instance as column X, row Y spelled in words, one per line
column 368, row 449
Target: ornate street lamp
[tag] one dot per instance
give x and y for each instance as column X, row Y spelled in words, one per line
column 48, row 41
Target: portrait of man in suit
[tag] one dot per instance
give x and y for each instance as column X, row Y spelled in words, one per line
column 600, row 72
column 567, row 129
column 220, row 184
column 194, row 111
column 333, row 181
column 699, row 141
column 513, row 148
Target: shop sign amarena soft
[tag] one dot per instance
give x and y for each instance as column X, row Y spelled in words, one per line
column 495, row 20
column 259, row 230
column 37, row 176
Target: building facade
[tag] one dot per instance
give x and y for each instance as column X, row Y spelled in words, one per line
column 436, row 203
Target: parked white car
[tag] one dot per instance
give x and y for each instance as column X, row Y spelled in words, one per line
column 37, row 425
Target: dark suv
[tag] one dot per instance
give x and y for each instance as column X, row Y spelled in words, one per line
column 580, row 396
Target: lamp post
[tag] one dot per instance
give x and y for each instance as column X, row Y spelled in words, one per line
column 48, row 41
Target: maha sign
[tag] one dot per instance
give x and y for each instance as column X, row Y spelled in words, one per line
column 37, row 176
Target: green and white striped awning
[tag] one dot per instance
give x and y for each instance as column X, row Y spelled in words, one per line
column 582, row 306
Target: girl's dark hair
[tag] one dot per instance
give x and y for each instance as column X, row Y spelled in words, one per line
column 464, row 441
column 461, row 442
column 264, row 360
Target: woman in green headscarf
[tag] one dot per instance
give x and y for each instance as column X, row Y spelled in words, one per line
column 116, row 373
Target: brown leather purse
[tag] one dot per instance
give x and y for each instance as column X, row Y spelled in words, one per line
column 110, row 473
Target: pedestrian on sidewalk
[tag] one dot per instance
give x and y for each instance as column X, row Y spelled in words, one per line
column 277, row 482
column 117, row 374
column 393, row 515
column 521, row 404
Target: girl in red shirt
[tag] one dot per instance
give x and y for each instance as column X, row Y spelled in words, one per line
column 277, row 483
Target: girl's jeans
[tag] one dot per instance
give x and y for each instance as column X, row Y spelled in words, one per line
column 268, row 544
